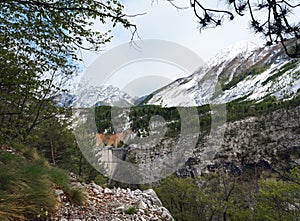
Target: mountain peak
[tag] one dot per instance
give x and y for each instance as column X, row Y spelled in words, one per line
column 105, row 94
column 242, row 49
column 244, row 70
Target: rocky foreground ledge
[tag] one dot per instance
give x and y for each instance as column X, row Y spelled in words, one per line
column 116, row 204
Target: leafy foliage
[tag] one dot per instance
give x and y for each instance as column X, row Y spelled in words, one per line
column 39, row 45
column 52, row 32
column 26, row 100
column 183, row 198
column 218, row 196
column 279, row 199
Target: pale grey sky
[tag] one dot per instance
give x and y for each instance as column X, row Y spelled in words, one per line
column 143, row 77
column 163, row 21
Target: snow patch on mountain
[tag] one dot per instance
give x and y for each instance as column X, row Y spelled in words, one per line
column 279, row 76
column 242, row 49
column 262, row 85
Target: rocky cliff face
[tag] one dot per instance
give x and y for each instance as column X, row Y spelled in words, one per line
column 271, row 140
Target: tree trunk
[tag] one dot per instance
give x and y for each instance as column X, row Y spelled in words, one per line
column 80, row 164
column 52, row 153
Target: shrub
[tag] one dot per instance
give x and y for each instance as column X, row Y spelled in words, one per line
column 77, row 196
column 27, row 186
column 59, row 177
column 24, row 189
column 101, row 180
column 131, row 210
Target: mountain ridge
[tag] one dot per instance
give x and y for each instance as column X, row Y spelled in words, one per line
column 237, row 71
column 242, row 70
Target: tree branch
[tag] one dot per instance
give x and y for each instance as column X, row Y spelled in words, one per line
column 276, row 28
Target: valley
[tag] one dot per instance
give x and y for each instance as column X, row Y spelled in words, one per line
column 113, row 110
column 221, row 144
column 248, row 135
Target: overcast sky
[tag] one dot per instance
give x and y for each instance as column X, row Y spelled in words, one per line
column 163, row 21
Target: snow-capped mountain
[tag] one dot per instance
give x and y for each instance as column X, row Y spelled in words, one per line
column 241, row 71
column 241, row 50
column 88, row 96
column 64, row 99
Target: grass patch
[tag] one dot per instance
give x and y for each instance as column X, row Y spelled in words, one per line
column 59, row 178
column 77, row 197
column 130, row 210
column 27, row 186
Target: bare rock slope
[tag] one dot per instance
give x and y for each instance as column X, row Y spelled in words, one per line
column 116, row 204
